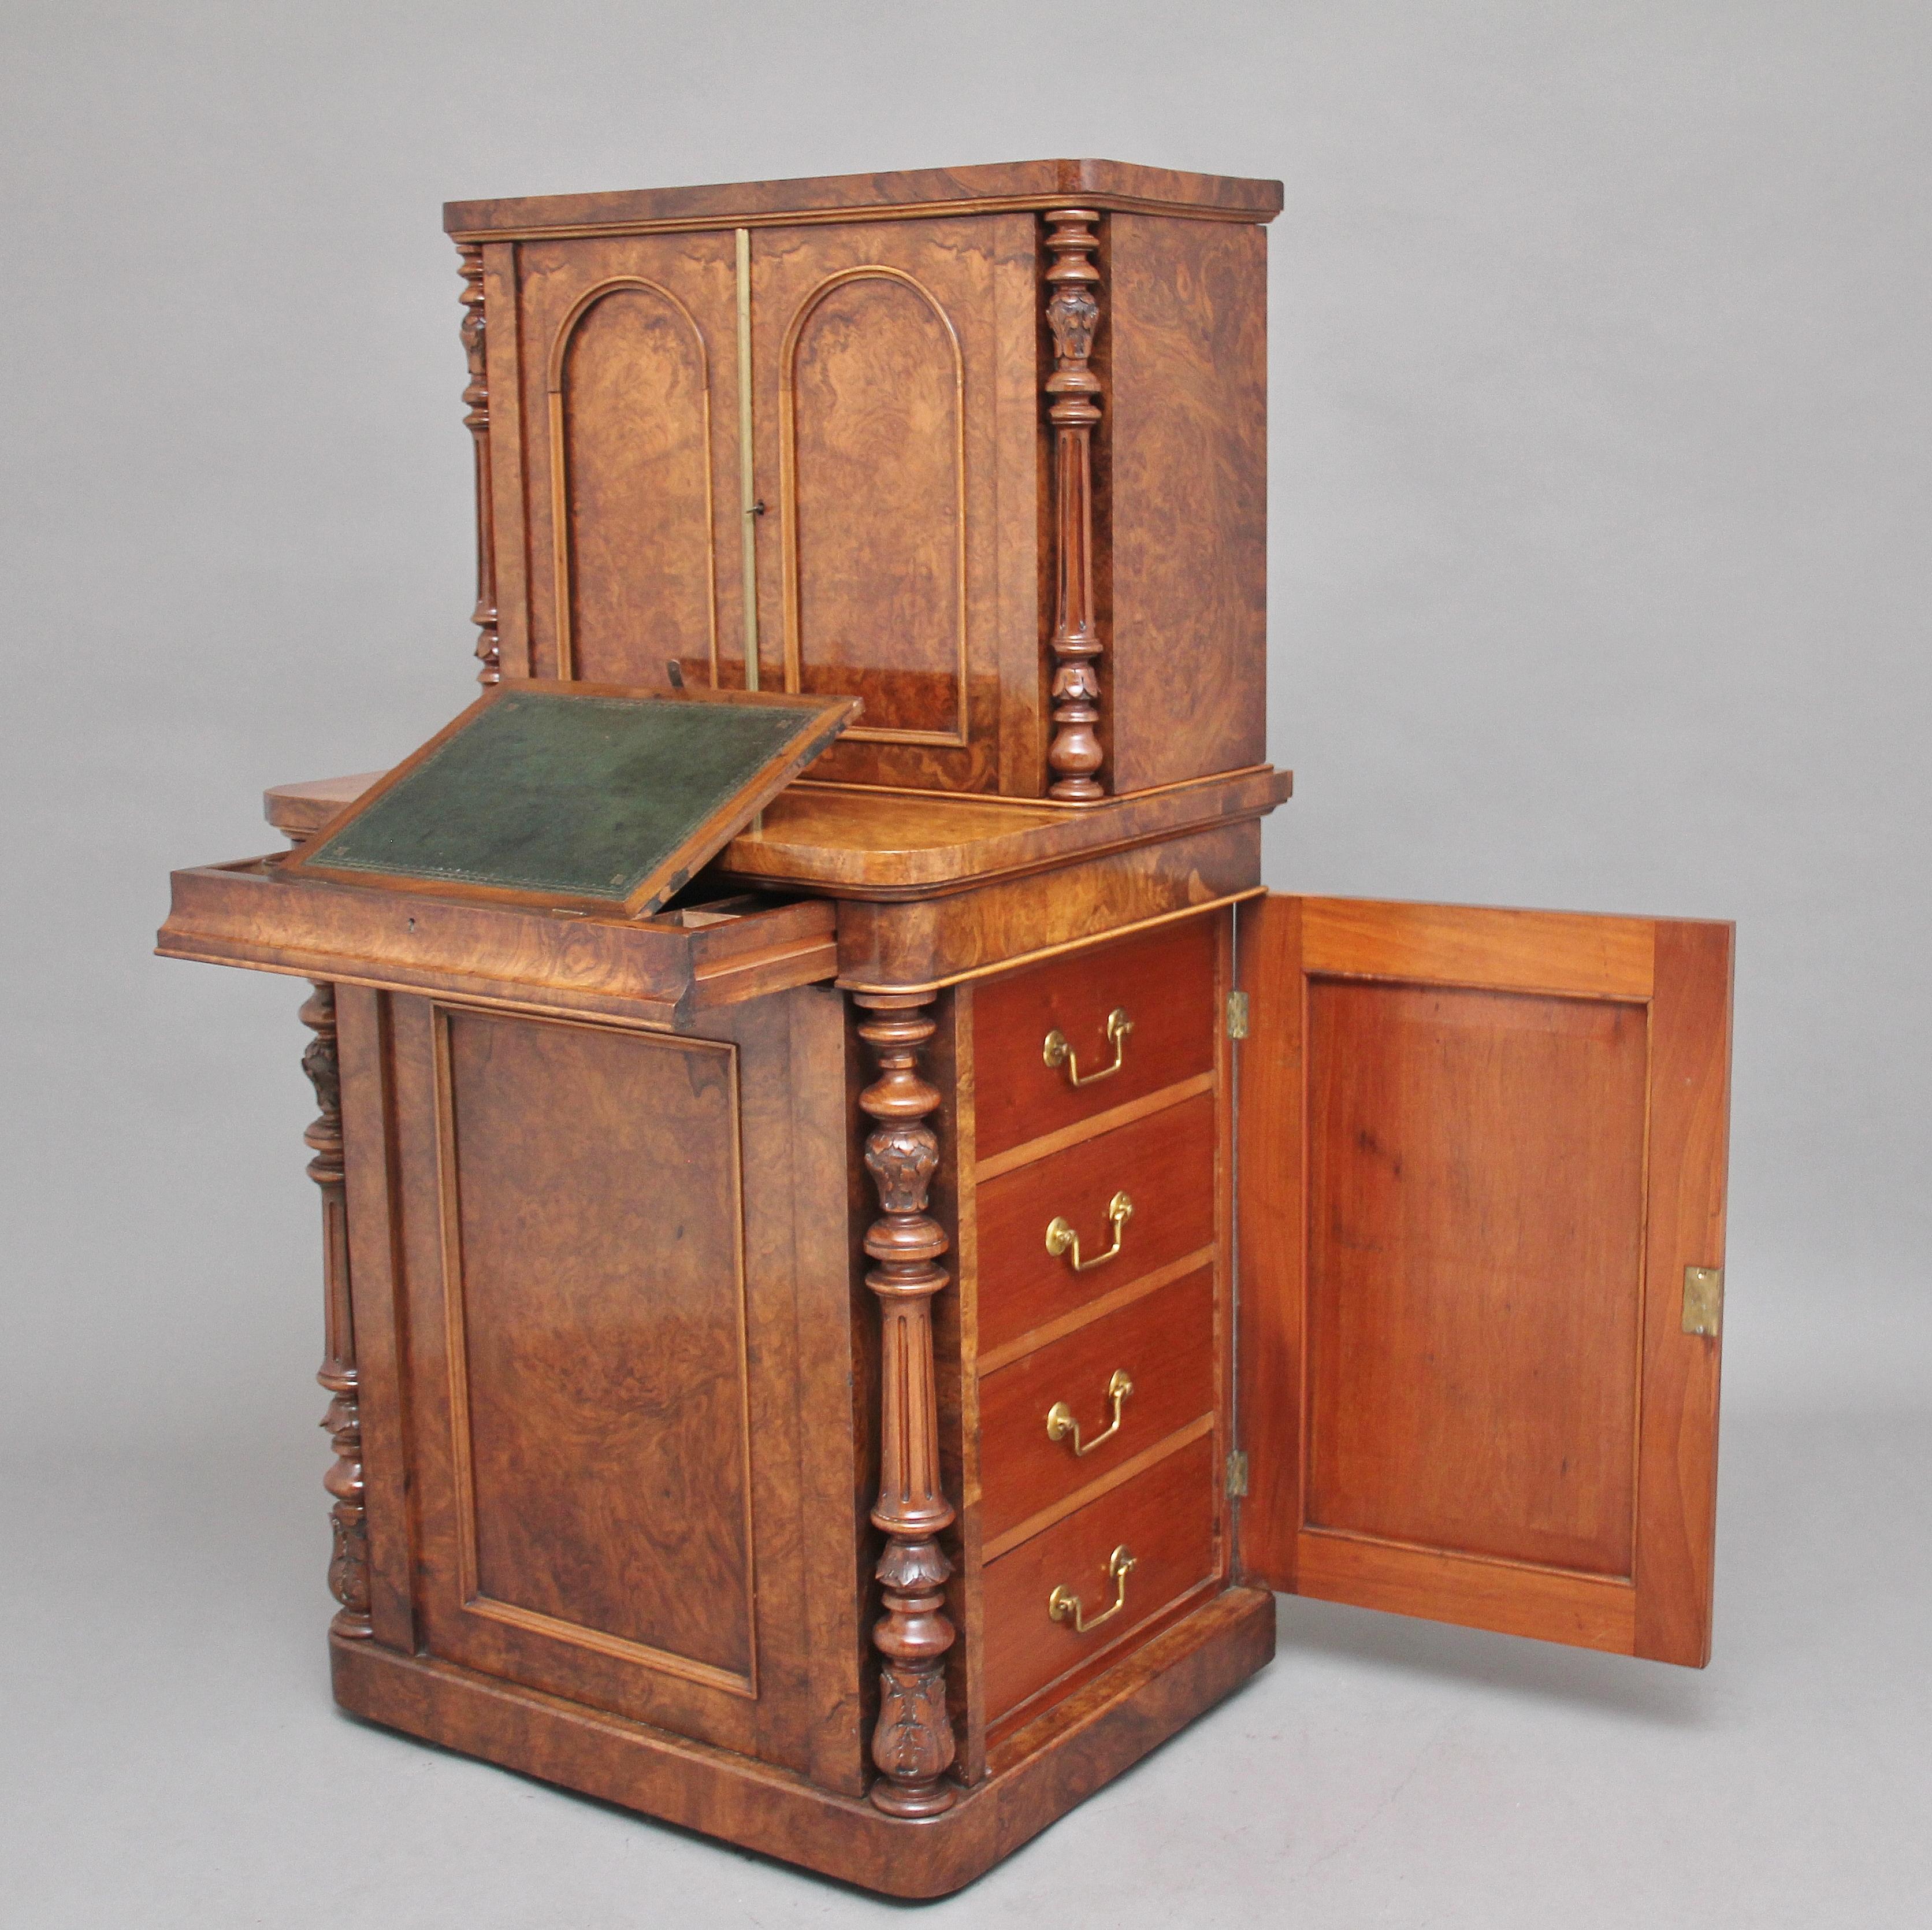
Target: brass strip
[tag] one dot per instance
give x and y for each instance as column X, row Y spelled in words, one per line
column 1036, row 1338
column 1018, row 959
column 748, row 492
column 1025, row 1154
column 907, row 211
column 1096, row 1491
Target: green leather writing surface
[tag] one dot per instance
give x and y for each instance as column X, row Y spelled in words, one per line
column 546, row 789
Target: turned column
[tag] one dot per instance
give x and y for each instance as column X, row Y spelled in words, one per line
column 1073, row 314
column 913, row 1744
column 476, row 401
column 348, row 1562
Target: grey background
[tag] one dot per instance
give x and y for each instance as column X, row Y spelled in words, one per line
column 1600, row 576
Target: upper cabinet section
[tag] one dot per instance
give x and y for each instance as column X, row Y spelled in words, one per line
column 984, row 450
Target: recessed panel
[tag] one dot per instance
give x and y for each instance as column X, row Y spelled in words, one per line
column 600, row 1366
column 876, row 508
column 631, row 421
column 1475, row 1217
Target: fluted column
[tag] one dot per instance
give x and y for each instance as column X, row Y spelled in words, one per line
column 913, row 1744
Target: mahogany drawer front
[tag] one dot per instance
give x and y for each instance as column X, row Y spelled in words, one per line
column 1164, row 1164
column 1163, row 1518
column 1163, row 979
column 1163, row 1346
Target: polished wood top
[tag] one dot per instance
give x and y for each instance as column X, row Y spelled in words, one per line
column 1025, row 184
column 854, row 843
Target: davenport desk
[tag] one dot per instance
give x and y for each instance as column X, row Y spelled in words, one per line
column 844, row 1303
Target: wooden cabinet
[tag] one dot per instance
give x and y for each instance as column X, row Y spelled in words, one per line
column 844, row 1360
column 939, row 442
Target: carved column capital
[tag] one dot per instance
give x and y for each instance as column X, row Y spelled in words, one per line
column 913, row 1744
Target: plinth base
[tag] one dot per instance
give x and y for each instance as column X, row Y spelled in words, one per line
column 1107, row 1726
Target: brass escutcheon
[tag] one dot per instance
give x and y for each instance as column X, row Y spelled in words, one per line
column 1064, row 1605
column 1061, row 1426
column 1063, row 1242
column 1057, row 1053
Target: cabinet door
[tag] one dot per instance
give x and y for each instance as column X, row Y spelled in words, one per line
column 898, row 424
column 627, row 361
column 623, row 1364
column 1480, row 1150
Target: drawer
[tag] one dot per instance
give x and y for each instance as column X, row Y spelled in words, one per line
column 1164, row 1163
column 1164, row 1518
column 659, row 970
column 1163, row 1346
column 1163, row 979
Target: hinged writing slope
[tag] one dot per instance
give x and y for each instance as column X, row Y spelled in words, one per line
column 1479, row 1150
column 592, row 795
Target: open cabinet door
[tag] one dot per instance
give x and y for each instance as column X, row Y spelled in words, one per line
column 1483, row 1158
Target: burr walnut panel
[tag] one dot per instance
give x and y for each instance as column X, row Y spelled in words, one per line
column 602, row 1306
column 1185, row 676
column 628, row 437
column 630, row 448
column 593, row 1304
column 875, row 453
column 896, row 428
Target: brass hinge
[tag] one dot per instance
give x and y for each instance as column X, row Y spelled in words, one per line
column 1238, row 1473
column 1703, row 1300
column 1237, row 1015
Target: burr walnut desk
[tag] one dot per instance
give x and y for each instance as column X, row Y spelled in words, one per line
column 841, row 1314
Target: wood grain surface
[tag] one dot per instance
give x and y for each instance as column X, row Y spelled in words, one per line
column 1107, row 1726
column 625, row 404
column 1164, row 1162
column 842, row 196
column 1479, row 1149
column 1164, row 1343
column 1164, row 979
column 1164, row 1516
column 1186, row 673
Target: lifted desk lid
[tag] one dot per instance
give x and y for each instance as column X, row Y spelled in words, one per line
column 590, row 796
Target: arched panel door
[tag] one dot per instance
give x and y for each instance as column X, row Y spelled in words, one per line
column 896, row 421
column 629, row 359
column 873, row 444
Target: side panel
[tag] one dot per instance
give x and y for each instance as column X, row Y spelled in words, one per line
column 593, row 1223
column 1185, row 423
column 1479, row 1149
column 626, row 1366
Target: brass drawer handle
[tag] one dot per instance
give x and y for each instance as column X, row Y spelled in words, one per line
column 1061, row 1240
column 1057, row 1053
column 1060, row 1423
column 1064, row 1605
